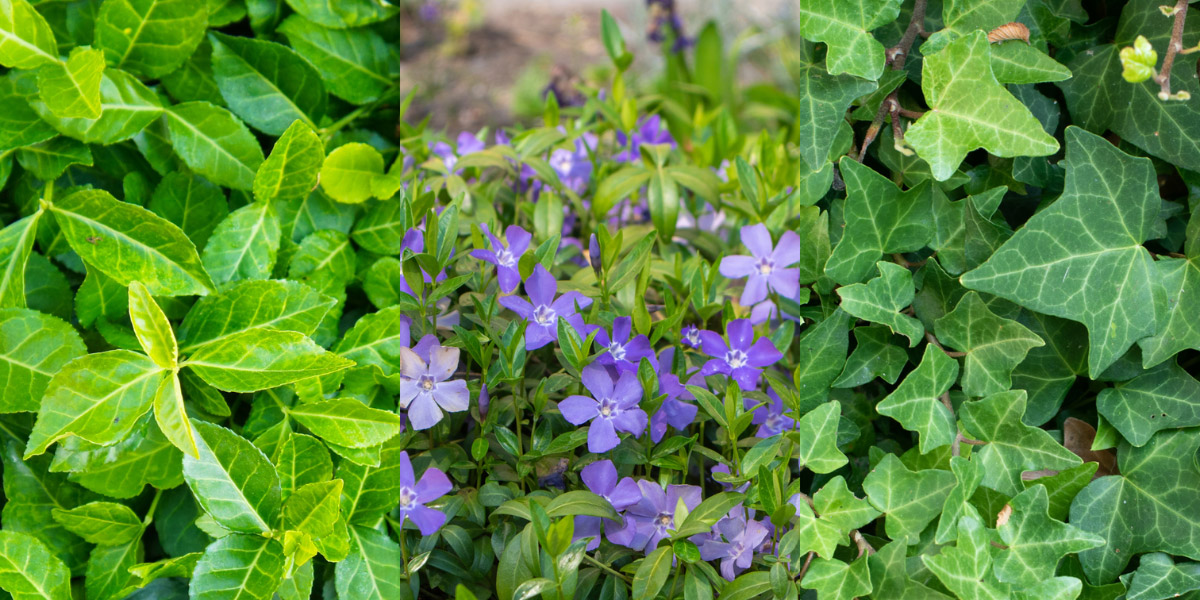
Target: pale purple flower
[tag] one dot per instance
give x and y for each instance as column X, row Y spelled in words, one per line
column 743, row 359
column 424, row 389
column 691, row 336
column 664, row 18
column 709, row 220
column 484, row 401
column 574, row 169
column 621, row 352
column 742, row 538
column 467, row 143
column 414, row 495
column 505, row 254
column 724, row 468
column 768, row 268
column 648, row 131
column 601, row 479
column 543, row 310
column 414, row 239
column 614, row 407
column 770, row 418
column 654, row 514
column 673, row 411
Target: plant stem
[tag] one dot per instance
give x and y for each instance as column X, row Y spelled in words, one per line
column 1173, row 47
column 605, row 568
column 149, row 518
column 896, row 55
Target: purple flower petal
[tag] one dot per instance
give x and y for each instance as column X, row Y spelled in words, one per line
column 746, row 377
column 755, row 290
column 484, row 255
column 736, row 267
column 631, row 421
column 407, row 479
column 520, row 306
column 537, row 336
column 628, row 391
column 600, row 477
column 715, row 366
column 578, row 410
column 597, row 380
column 565, row 305
column 622, row 326
column 602, row 437
column 411, row 365
column 541, row 287
column 433, row 485
column 787, row 252
column 741, row 334
column 785, row 281
column 443, row 362
column 509, row 279
column 427, row 519
column 453, row 396
column 588, row 527
column 424, row 412
column 763, row 353
column 518, row 239
column 757, row 240
column 712, row 344
column 424, row 348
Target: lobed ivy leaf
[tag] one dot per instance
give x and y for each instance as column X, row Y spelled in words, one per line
column 837, row 580
column 1035, row 542
column 916, row 403
column 846, row 27
column 909, row 500
column 817, row 435
column 1157, row 576
column 1165, row 397
column 890, row 574
column 994, row 345
column 1012, row 446
column 881, row 299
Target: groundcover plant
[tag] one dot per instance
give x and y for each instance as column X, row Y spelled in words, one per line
column 916, row 319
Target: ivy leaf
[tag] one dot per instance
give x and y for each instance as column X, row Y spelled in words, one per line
column 880, row 219
column 290, row 172
column 967, row 475
column 836, row 580
column 881, row 299
column 1146, row 508
column 103, row 523
column 33, row 347
column 151, row 327
column 250, row 564
column 965, row 569
column 253, row 306
column 28, row 570
column 909, row 500
column 347, row 422
column 1012, row 446
column 347, row 172
column 71, row 90
column 889, row 571
column 244, row 245
column 822, row 100
column 839, row 512
column 1166, row 397
column 916, row 402
column 214, row 143
column 127, row 243
column 1035, row 541
column 845, row 27
column 967, row 15
column 265, row 83
column 254, row 360
column 26, row 40
column 1022, row 63
column 374, row 568
column 1179, row 280
column 1082, row 257
column 822, row 348
column 994, row 345
column 233, row 480
column 150, row 37
column 97, row 397
column 817, row 439
column 1157, row 576
column 874, row 356
column 969, row 109
column 1049, row 371
column 354, row 63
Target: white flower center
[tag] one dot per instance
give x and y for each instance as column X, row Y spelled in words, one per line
column 408, row 498
column 427, row 383
column 765, row 266
column 617, row 351
column 664, row 521
column 693, row 336
column 544, row 315
column 736, row 359
column 608, row 408
column 505, row 258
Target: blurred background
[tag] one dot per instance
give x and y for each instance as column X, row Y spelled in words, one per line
column 477, row 63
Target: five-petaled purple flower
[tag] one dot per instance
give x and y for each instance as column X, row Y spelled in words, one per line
column 621, row 352
column 505, row 255
column 691, row 336
column 542, row 310
column 770, row 418
column 601, row 479
column 613, row 408
column 424, row 390
column 414, row 495
column 742, row 538
column 768, row 268
column 673, row 412
column 654, row 515
column 648, row 131
column 743, row 359
column 467, row 143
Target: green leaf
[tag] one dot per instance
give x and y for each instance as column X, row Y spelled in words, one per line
column 97, row 397
column 837, row 513
column 126, row 107
column 373, row 569
column 232, row 480
column 26, row 40
column 836, row 580
column 123, row 469
column 150, row 37
column 313, row 508
column 1157, row 576
column 347, row 422
column 916, row 403
column 253, row 360
column 370, row 492
column 28, row 570
column 965, row 569
column 103, row 523
column 190, row 202
column 1035, row 541
column 1166, row 397
column 845, row 26
column 889, row 572
column 354, row 63
column 1022, row 63
column 580, row 502
column 343, row 14
column 129, row 243
column 266, row 84
column 994, row 345
column 33, row 348
column 816, row 435
column 300, row 460
column 376, row 339
column 822, row 351
column 244, row 246
column 707, row 513
column 652, row 573
column 967, row 475
column 1146, row 508
column 880, row 219
column 151, row 327
column 881, row 299
column 290, row 172
column 822, row 101
column 214, row 143
column 347, row 172
column 1012, row 446
column 71, row 90
column 49, row 159
column 249, row 564
column 108, row 567
column 909, row 500
column 171, row 415
column 31, row 494
column 253, row 306
column 969, row 109
column 20, row 125
column 874, row 356
column 1082, row 257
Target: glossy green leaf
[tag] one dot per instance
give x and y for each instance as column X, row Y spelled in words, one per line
column 347, row 422
column 253, row 306
column 170, row 414
column 123, row 469
column 369, row 492
column 151, row 327
column 354, row 63
column 47, row 160
column 967, row 475
column 817, row 439
column 881, row 299
column 253, row 360
column 313, row 508
column 341, row 15
column 266, row 84
column 214, row 143
column 373, row 569
column 891, row 578
column 127, row 107
column 1157, row 576
column 233, row 480
column 26, row 40
column 347, row 172
column 249, row 564
column 917, row 402
column 33, row 348
column 244, row 246
column 291, row 170
column 28, row 571
column 103, row 523
column 301, row 460
column 71, row 89
column 150, row 37
column 1012, row 446
column 846, row 27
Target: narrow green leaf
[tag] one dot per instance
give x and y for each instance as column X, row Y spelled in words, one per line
column 652, row 573
column 26, row 40
column 253, row 360
column 151, row 327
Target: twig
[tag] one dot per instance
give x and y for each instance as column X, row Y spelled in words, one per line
column 970, row 442
column 896, row 55
column 1173, row 47
column 955, row 449
column 864, row 547
column 804, row 569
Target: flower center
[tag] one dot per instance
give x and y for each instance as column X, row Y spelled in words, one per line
column 664, row 521
column 736, row 359
column 427, row 383
column 693, row 336
column 609, row 408
column 617, row 351
column 737, row 549
column 765, row 266
column 544, row 315
column 505, row 258
column 408, row 498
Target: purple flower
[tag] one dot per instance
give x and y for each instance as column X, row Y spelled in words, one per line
column 622, row 352
column 724, row 468
column 601, row 478
column 424, row 390
column 673, row 412
column 466, row 144
column 414, row 495
column 664, row 18
column 691, row 336
column 574, row 169
column 709, row 220
column 648, row 131
column 743, row 359
column 414, row 239
column 484, row 401
column 742, row 538
column 767, row 269
column 654, row 515
column 544, row 310
column 505, row 255
column 770, row 418
column 614, row 408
